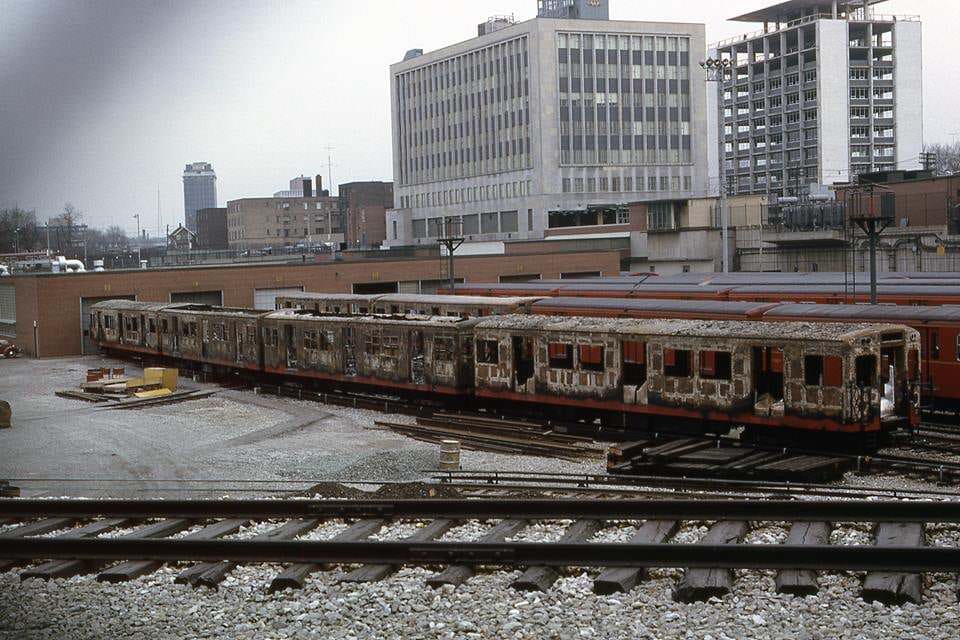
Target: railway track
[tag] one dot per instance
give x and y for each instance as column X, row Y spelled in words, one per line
column 894, row 563
column 601, row 485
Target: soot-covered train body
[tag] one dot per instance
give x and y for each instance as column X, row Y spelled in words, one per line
column 852, row 379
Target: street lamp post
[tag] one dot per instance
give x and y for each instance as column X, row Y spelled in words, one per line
column 16, row 240
column 716, row 70
column 137, row 217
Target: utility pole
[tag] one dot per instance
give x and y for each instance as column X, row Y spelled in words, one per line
column 872, row 223
column 716, row 70
column 451, row 239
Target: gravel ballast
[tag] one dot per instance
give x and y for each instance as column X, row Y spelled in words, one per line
column 484, row 607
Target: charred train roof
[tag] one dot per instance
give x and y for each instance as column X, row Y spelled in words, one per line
column 819, row 331
column 376, row 319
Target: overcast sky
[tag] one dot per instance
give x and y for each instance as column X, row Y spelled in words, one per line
column 103, row 102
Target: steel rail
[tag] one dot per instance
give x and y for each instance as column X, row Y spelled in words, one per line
column 732, row 556
column 543, row 509
column 599, row 481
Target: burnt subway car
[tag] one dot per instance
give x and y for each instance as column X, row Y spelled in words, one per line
column 215, row 336
column 704, row 375
column 128, row 325
column 419, row 354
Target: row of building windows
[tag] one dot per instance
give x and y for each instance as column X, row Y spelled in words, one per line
column 649, row 156
column 501, row 191
column 471, row 224
column 618, row 184
column 599, row 84
column 465, row 115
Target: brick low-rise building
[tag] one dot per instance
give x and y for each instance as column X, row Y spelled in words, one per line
column 364, row 207
column 257, row 223
column 212, row 229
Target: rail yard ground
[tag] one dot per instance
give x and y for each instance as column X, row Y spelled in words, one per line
column 233, row 435
column 238, row 435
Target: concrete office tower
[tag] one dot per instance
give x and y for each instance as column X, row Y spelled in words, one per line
column 546, row 123
column 199, row 191
column 826, row 91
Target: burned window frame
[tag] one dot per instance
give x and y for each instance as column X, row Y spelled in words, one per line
column 722, row 365
column 677, row 369
column 588, row 364
column 444, row 348
column 487, row 351
column 562, row 362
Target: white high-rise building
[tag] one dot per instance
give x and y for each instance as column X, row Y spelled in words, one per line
column 545, row 124
column 827, row 90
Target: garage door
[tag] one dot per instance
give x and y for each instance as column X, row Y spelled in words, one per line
column 214, row 298
column 266, row 299
column 8, row 310
column 88, row 347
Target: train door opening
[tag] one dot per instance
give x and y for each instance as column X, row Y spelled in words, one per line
column 175, row 333
column 120, row 327
column 417, row 367
column 289, row 346
column 349, row 353
column 768, row 374
column 522, row 361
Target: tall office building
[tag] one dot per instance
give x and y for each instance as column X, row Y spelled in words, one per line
column 552, row 122
column 199, row 191
column 829, row 89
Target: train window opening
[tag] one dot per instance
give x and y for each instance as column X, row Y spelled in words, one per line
column 219, row 332
column 676, row 363
column 866, row 371
column 813, row 371
column 325, row 341
column 151, row 326
column 957, row 346
column 193, row 329
column 416, row 344
column 435, row 311
column 466, row 346
column 310, row 340
column 935, row 345
column 289, row 344
column 560, row 355
column 522, row 358
column 394, row 309
column 716, row 365
column 443, row 349
column 488, row 352
column 591, row 357
column 768, row 372
column 251, row 335
column 390, row 346
column 891, row 337
column 634, row 363
column 371, row 344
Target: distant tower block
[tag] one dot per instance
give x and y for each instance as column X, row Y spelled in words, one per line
column 199, row 191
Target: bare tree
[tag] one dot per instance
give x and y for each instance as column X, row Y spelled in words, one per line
column 946, row 158
column 18, row 230
column 70, row 217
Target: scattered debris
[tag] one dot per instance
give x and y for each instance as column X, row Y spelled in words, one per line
column 496, row 435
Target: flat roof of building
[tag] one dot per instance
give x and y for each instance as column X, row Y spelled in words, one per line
column 794, row 8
